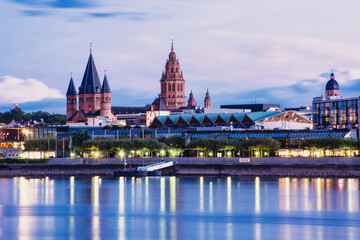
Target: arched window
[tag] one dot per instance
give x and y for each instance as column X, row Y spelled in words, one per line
column 169, row 88
column 173, row 87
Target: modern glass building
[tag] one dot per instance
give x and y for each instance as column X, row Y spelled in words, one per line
column 334, row 111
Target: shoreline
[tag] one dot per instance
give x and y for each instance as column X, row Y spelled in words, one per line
column 274, row 170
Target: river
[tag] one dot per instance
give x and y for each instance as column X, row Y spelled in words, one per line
column 179, row 208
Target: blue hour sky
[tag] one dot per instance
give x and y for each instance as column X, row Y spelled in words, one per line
column 276, row 51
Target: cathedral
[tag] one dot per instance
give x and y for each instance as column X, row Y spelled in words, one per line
column 172, row 88
column 94, row 98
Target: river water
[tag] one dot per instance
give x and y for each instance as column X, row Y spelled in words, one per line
column 179, row 208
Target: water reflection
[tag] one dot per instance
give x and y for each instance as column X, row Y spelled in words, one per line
column 257, row 195
column 201, row 191
column 229, row 197
column 95, row 187
column 189, row 208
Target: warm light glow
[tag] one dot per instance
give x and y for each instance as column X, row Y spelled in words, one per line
column 162, row 152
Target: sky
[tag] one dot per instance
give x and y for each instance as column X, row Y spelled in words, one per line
column 263, row 51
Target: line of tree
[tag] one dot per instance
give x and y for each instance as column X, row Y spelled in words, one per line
column 243, row 147
column 18, row 114
column 333, row 143
column 82, row 143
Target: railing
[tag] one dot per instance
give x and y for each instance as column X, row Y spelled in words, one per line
column 156, row 166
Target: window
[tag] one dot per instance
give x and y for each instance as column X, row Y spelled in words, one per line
column 169, row 88
column 90, row 108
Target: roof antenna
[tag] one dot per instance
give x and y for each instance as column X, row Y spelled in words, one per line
column 172, row 44
column 90, row 47
column 71, row 74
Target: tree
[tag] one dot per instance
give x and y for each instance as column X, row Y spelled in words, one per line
column 79, row 138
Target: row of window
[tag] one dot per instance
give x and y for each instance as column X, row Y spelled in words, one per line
column 172, row 87
column 89, row 99
column 336, row 105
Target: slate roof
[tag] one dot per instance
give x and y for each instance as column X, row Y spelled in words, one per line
column 159, row 105
column 105, row 86
column 71, row 89
column 90, row 83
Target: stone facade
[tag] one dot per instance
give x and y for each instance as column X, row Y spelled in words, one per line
column 172, row 83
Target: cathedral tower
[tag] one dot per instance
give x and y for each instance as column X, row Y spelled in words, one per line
column 89, row 90
column 71, row 100
column 105, row 106
column 191, row 101
column 172, row 83
column 207, row 100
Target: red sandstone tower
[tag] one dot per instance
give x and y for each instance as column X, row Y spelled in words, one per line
column 71, row 100
column 191, row 101
column 172, row 83
column 94, row 98
column 105, row 99
column 207, row 100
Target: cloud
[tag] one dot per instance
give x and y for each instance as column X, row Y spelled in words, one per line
column 34, row 13
column 57, row 3
column 16, row 90
column 128, row 15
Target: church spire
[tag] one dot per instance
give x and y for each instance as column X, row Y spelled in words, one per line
column 191, row 101
column 172, row 45
column 90, row 83
column 207, row 100
column 105, row 86
column 71, row 89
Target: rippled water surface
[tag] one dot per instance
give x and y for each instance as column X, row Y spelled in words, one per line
column 179, row 208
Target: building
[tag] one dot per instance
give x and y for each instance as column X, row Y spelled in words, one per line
column 255, row 120
column 333, row 111
column 254, row 107
column 172, row 83
column 93, row 99
column 191, row 101
column 207, row 100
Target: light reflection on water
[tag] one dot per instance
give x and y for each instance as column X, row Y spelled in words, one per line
column 179, row 208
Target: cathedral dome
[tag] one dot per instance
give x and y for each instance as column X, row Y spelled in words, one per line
column 332, row 84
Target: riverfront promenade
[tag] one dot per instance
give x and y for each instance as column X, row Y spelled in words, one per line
column 270, row 166
column 210, row 161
